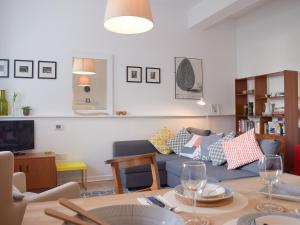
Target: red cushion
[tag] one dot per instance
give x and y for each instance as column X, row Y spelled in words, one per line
column 242, row 150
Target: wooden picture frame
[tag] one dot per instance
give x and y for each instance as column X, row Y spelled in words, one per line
column 153, row 75
column 134, row 74
column 23, row 68
column 4, row 68
column 47, row 70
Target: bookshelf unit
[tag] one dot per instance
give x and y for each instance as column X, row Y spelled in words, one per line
column 256, row 89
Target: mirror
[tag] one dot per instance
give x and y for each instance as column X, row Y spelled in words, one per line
column 92, row 85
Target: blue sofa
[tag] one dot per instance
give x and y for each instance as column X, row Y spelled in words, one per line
column 169, row 166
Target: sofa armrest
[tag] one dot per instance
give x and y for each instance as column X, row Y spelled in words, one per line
column 68, row 190
column 19, row 180
column 126, row 148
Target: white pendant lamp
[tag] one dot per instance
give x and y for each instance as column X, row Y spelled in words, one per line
column 128, row 16
column 84, row 66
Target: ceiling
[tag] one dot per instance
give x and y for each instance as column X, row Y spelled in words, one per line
column 184, row 4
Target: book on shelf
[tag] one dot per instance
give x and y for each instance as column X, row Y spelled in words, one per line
column 246, row 125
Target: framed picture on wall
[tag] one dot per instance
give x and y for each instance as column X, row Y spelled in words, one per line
column 47, row 70
column 188, row 78
column 4, row 68
column 134, row 74
column 152, row 75
column 23, row 68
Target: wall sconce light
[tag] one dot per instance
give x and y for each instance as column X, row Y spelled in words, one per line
column 201, row 102
column 84, row 81
column 84, row 66
column 128, row 16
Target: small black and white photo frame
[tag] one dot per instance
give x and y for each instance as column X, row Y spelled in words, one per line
column 134, row 74
column 4, row 68
column 152, row 75
column 47, row 70
column 215, row 109
column 23, row 68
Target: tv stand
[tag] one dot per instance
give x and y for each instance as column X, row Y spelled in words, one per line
column 39, row 168
column 19, row 153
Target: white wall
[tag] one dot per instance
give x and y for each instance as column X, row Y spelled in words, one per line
column 57, row 30
column 268, row 39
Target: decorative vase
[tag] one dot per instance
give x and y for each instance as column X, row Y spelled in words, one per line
column 13, row 110
column 268, row 108
column 3, row 104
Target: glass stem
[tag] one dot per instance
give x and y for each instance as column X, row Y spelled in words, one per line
column 194, row 205
column 270, row 187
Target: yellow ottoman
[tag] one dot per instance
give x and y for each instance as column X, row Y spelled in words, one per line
column 62, row 166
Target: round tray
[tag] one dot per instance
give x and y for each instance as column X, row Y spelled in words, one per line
column 217, row 201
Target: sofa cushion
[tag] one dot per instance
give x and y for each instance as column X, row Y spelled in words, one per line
column 160, row 139
column 216, row 150
column 214, row 173
column 161, row 164
column 268, row 147
column 177, row 143
column 197, row 131
column 137, row 147
column 206, row 141
column 242, row 150
column 192, row 148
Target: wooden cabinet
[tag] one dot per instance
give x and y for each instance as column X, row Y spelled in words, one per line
column 39, row 168
column 257, row 89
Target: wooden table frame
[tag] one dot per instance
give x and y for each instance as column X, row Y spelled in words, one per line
column 248, row 187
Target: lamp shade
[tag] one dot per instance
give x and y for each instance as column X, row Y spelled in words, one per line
column 84, row 66
column 84, row 81
column 128, row 16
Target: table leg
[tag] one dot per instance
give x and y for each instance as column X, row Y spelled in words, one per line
column 83, row 179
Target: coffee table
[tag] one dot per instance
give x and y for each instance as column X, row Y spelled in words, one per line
column 35, row 211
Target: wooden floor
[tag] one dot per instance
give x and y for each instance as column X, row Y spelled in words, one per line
column 99, row 186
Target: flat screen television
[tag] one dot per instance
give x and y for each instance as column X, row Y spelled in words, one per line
column 17, row 135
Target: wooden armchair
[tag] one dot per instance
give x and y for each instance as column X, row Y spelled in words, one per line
column 11, row 211
column 132, row 161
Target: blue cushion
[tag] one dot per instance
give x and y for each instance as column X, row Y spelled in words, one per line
column 207, row 141
column 125, row 148
column 161, row 164
column 214, row 173
column 268, row 147
column 197, row 131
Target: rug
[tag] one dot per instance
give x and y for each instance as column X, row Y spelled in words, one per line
column 89, row 194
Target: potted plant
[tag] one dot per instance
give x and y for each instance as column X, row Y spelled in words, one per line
column 26, row 110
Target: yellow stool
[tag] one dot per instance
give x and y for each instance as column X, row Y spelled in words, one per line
column 62, row 166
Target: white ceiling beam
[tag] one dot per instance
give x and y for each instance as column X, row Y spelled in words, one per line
column 209, row 12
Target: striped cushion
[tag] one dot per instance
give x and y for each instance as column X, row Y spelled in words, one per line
column 242, row 150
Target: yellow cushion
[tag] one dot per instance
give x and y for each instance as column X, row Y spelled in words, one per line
column 70, row 166
column 160, row 139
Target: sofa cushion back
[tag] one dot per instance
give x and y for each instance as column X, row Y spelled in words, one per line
column 268, row 147
column 138, row 147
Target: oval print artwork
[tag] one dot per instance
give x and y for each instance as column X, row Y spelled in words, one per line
column 188, row 78
column 185, row 76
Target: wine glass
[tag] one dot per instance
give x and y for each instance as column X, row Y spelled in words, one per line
column 270, row 169
column 193, row 179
